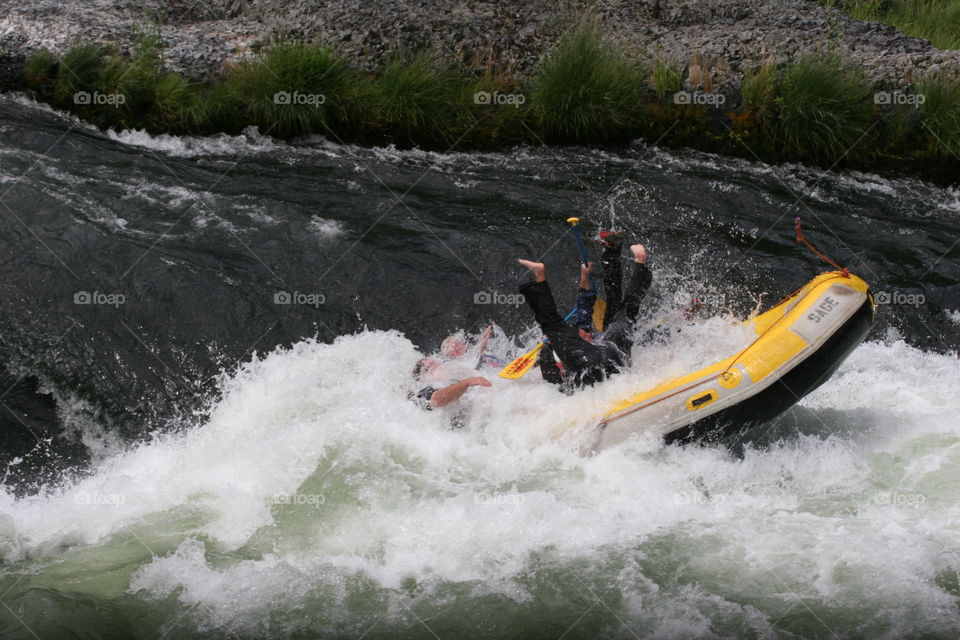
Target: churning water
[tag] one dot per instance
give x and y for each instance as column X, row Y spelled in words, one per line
column 189, row 453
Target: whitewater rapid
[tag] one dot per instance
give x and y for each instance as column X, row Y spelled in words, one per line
column 313, row 472
column 303, row 495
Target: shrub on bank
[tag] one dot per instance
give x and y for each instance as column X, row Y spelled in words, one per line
column 498, row 111
column 79, row 71
column 666, row 78
column 294, row 89
column 816, row 110
column 112, row 89
column 177, row 106
column 41, row 71
column 824, row 110
column 899, row 134
column 941, row 116
column 420, row 101
column 759, row 90
column 758, row 93
column 588, row 89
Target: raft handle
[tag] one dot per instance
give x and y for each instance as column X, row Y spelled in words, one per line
column 701, row 400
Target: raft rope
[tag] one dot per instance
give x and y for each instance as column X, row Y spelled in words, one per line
column 802, row 240
column 844, row 273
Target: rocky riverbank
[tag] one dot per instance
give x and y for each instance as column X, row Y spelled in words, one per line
column 774, row 80
column 714, row 40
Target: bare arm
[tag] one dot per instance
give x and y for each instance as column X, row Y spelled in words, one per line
column 585, row 271
column 484, row 339
column 452, row 393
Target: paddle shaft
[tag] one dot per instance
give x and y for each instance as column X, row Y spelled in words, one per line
column 582, row 248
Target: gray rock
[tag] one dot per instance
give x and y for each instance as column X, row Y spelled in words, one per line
column 202, row 37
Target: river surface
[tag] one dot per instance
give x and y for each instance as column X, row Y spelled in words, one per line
column 205, row 431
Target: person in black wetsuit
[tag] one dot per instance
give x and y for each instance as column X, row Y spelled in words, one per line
column 587, row 362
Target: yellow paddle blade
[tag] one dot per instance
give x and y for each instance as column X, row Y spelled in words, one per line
column 521, row 365
column 599, row 309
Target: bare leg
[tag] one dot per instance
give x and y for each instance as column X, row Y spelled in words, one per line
column 538, row 269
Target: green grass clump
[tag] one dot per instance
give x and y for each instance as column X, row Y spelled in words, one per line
column 936, row 20
column 587, row 90
column 941, row 115
column 899, row 133
column 177, row 106
column 666, row 78
column 79, row 71
column 41, row 70
column 419, row 101
column 759, row 90
column 135, row 77
column 824, row 111
column 751, row 127
column 222, row 109
column 501, row 116
column 294, row 89
column 137, row 89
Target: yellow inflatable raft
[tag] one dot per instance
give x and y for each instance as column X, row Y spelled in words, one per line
column 800, row 343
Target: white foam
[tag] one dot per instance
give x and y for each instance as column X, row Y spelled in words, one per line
column 250, row 141
column 325, row 229
column 25, row 100
column 390, row 493
column 902, row 381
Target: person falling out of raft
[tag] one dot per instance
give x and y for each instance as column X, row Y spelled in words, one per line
column 585, row 358
column 446, row 379
column 456, row 346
